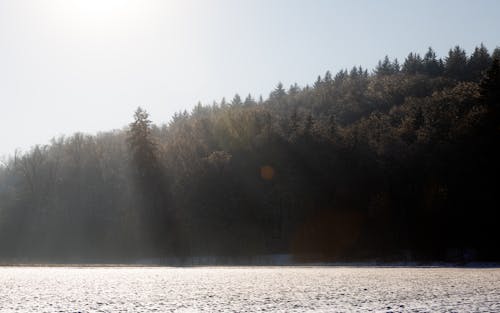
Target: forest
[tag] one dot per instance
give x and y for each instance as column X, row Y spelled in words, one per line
column 398, row 163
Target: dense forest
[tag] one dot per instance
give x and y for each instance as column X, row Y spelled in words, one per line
column 400, row 163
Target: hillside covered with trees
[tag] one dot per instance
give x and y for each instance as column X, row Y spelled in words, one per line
column 398, row 163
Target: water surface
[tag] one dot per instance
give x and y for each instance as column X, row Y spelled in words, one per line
column 249, row 289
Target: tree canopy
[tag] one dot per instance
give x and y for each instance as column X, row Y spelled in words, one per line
column 400, row 163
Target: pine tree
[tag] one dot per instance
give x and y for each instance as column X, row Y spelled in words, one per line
column 395, row 65
column 150, row 181
column 249, row 101
column 294, row 89
column 236, row 100
column 341, row 76
column 413, row 64
column 318, row 83
column 496, row 54
column 140, row 142
column 479, row 62
column 490, row 85
column 456, row 63
column 386, row 67
column 278, row 92
column 328, row 77
column 431, row 65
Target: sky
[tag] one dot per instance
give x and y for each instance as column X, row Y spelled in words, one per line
column 71, row 66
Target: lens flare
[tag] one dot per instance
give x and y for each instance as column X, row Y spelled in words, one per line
column 267, row 172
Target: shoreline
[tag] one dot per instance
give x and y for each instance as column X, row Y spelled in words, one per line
column 471, row 265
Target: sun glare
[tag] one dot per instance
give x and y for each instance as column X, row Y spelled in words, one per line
column 109, row 17
column 101, row 8
column 98, row 16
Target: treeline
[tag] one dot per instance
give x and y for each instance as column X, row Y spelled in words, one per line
column 400, row 163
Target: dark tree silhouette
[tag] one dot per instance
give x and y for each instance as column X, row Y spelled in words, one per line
column 396, row 164
column 151, row 184
column 456, row 63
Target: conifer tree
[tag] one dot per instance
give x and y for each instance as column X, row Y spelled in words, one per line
column 490, row 85
column 249, row 101
column 496, row 54
column 278, row 92
column 413, row 64
column 236, row 100
column 142, row 146
column 456, row 63
column 150, row 180
column 431, row 65
column 479, row 62
column 386, row 67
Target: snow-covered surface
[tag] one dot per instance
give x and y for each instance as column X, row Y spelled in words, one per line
column 249, row 289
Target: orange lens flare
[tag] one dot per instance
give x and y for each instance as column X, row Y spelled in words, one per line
column 267, row 172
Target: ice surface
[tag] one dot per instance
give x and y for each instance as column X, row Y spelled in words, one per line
column 249, row 289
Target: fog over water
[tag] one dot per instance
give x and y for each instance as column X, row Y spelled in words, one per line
column 249, row 289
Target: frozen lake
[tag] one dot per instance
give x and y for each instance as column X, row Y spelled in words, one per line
column 249, row 289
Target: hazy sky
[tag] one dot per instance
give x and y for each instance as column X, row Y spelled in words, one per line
column 85, row 65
